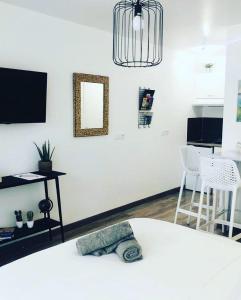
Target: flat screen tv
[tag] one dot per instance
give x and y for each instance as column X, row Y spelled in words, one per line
column 205, row 130
column 22, row 96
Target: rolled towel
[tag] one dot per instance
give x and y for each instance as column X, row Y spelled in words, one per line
column 104, row 241
column 129, row 251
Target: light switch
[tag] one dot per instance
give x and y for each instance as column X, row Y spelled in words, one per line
column 165, row 133
column 120, row 137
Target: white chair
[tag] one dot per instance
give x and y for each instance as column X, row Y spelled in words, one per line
column 221, row 175
column 190, row 159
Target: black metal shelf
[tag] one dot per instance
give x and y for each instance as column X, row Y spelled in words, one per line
column 11, row 181
column 39, row 226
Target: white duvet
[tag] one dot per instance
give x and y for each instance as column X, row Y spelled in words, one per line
column 179, row 263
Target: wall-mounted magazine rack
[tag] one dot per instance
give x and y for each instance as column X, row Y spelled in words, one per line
column 145, row 115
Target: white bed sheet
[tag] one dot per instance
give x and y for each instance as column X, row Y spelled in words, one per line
column 179, row 263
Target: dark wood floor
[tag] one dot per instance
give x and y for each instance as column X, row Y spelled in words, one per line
column 161, row 209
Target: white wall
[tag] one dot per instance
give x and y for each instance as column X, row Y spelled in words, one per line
column 232, row 129
column 103, row 172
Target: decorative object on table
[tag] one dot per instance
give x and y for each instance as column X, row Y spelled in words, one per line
column 146, row 98
column 45, row 153
column 209, row 67
column 45, row 206
column 6, row 233
column 239, row 102
column 137, row 33
column 29, row 176
column 19, row 218
column 91, row 105
column 30, row 220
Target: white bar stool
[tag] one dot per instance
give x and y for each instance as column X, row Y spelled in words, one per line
column 190, row 159
column 221, row 175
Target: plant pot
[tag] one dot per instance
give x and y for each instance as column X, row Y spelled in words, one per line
column 30, row 224
column 19, row 224
column 45, row 166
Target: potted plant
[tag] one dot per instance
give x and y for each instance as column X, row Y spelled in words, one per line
column 19, row 218
column 45, row 153
column 30, row 220
column 209, row 67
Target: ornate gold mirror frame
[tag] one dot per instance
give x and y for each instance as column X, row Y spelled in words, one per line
column 78, row 130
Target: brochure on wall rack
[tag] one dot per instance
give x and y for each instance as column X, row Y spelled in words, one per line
column 29, row 176
column 146, row 99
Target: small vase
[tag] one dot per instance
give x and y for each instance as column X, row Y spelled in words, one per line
column 45, row 166
column 30, row 224
column 19, row 224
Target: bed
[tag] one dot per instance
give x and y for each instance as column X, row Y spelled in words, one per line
column 179, row 263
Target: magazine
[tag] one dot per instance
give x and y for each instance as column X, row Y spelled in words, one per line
column 29, row 176
column 146, row 99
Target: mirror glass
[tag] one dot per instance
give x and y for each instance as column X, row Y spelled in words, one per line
column 92, row 104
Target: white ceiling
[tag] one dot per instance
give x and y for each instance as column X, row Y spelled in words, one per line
column 187, row 22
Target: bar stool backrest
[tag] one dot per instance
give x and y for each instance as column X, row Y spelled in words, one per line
column 219, row 173
column 190, row 158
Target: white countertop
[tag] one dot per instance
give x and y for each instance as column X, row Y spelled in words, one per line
column 231, row 154
column 204, row 144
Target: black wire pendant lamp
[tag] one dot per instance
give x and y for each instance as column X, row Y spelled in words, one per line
column 137, row 33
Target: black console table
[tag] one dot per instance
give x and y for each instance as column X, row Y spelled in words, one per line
column 44, row 223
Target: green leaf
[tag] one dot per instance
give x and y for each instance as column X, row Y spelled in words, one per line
column 52, row 153
column 48, row 149
column 45, row 154
column 39, row 151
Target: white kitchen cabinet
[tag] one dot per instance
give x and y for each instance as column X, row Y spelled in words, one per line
column 190, row 180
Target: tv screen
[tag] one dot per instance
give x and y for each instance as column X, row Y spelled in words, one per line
column 22, row 96
column 205, row 130
column 213, row 130
column 194, row 130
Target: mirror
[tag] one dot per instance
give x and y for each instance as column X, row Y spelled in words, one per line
column 91, row 104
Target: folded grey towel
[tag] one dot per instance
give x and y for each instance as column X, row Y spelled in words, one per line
column 129, row 251
column 105, row 240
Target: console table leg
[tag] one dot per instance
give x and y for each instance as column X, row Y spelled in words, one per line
column 48, row 213
column 59, row 207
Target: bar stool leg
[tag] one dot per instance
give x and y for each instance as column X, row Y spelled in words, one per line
column 226, row 209
column 193, row 197
column 222, row 204
column 200, row 207
column 208, row 204
column 214, row 208
column 233, row 204
column 180, row 196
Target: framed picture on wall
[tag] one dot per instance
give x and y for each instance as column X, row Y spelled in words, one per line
column 239, row 102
